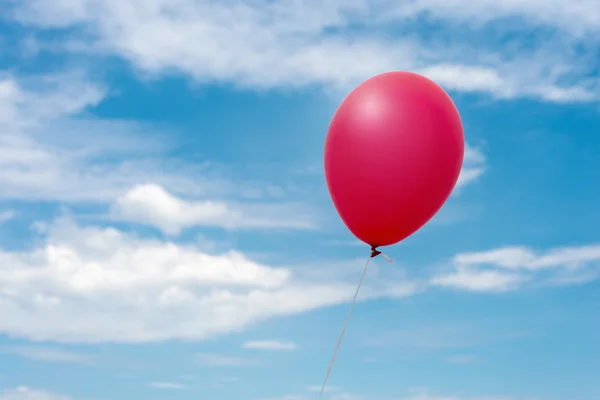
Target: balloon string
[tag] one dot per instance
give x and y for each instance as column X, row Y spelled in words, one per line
column 337, row 347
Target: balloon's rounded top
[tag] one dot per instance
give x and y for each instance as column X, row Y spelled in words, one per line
column 393, row 155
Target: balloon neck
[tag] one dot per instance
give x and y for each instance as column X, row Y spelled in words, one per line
column 374, row 252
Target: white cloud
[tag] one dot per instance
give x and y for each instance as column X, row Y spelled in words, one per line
column 222, row 360
column 48, row 354
column 33, row 101
column 443, row 335
column 152, row 205
column 269, row 345
column 515, row 258
column 476, row 280
column 507, row 268
column 7, row 215
column 463, row 359
column 82, row 282
column 474, row 164
column 168, row 385
column 292, row 43
column 25, row 393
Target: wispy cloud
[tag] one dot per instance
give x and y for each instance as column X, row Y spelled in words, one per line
column 167, row 385
column 317, row 388
column 26, row 393
column 49, row 354
column 222, row 360
column 45, row 156
column 463, row 359
column 328, row 395
column 420, row 396
column 516, row 258
column 442, row 397
column 446, row 336
column 7, row 215
column 269, row 345
column 508, row 268
column 474, row 165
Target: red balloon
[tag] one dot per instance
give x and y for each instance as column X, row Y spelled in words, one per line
column 393, row 155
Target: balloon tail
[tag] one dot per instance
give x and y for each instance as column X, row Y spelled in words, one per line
column 374, row 253
column 387, row 258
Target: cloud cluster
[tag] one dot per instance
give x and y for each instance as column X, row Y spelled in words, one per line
column 102, row 284
column 49, row 150
column 298, row 43
column 86, row 280
column 52, row 149
column 81, row 283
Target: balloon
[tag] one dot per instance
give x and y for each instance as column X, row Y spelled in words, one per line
column 393, row 154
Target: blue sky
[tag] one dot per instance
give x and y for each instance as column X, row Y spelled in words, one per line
column 166, row 232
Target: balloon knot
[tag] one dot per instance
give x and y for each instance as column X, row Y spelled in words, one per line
column 374, row 252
